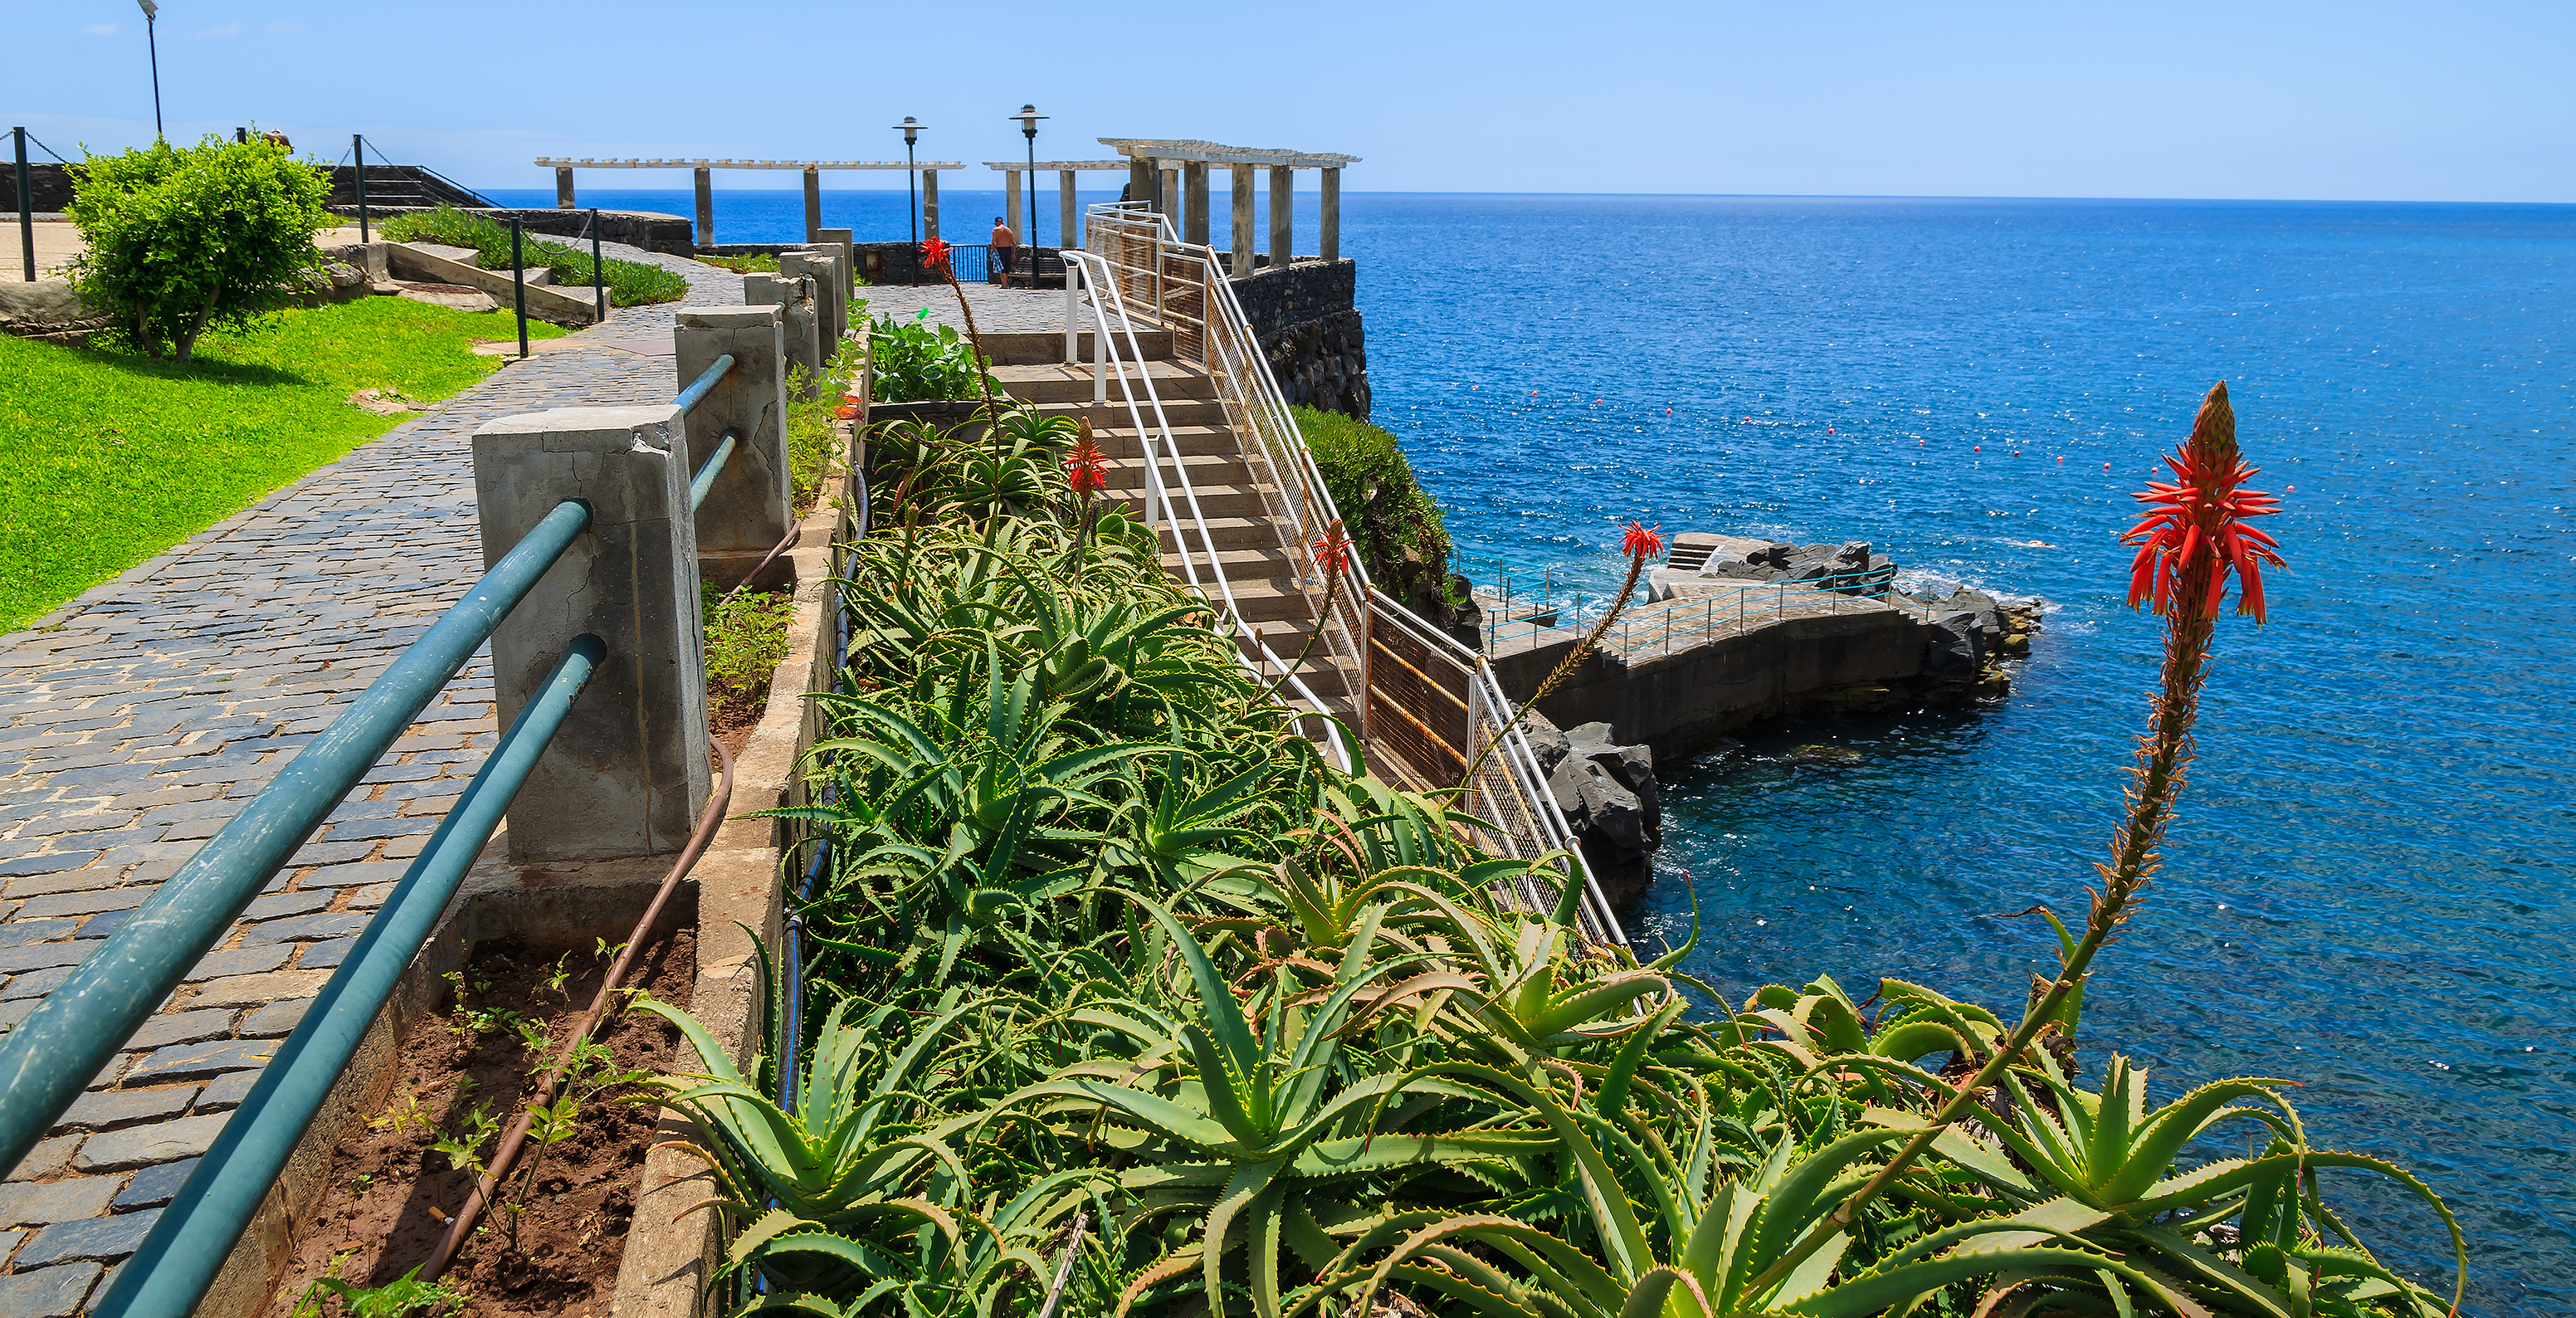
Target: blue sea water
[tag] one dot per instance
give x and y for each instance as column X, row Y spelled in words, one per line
column 2367, row 892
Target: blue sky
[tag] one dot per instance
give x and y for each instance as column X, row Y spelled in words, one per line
column 2461, row 101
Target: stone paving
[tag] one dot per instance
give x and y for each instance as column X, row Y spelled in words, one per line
column 997, row 310
column 135, row 721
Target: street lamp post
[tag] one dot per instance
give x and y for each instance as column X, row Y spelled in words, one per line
column 911, row 200
column 1028, row 117
column 152, row 37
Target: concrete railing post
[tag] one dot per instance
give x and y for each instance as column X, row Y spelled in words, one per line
column 627, row 773
column 800, row 324
column 746, row 512
column 832, row 305
column 841, row 238
column 1283, row 214
column 1194, row 203
column 1242, row 219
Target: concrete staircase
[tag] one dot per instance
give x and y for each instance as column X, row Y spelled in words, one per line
column 1262, row 575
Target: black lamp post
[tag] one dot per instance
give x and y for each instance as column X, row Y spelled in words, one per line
column 911, row 200
column 152, row 37
column 1028, row 117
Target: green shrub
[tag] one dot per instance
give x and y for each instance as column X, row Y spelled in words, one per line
column 1386, row 512
column 917, row 362
column 630, row 283
column 746, row 640
column 750, row 263
column 185, row 238
column 813, row 445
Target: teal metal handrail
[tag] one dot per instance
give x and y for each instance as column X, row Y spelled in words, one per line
column 50, row 1058
column 705, row 384
column 186, row 1248
column 705, row 480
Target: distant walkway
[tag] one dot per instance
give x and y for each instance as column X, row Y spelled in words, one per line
column 1000, row 310
column 136, row 720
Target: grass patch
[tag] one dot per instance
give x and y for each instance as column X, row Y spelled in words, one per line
column 746, row 641
column 755, row 263
column 1389, row 516
column 630, row 283
column 115, row 457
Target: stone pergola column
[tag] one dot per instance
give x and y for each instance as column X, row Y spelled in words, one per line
column 1141, row 177
column 1329, row 242
column 1168, row 190
column 1011, row 203
column 1194, row 203
column 1283, row 212
column 930, row 203
column 563, row 187
column 706, row 207
column 1069, row 219
column 1242, row 219
column 813, row 202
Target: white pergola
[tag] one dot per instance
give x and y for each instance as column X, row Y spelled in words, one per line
column 1151, row 162
column 704, row 168
column 1068, row 212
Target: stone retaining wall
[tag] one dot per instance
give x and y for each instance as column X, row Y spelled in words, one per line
column 1308, row 319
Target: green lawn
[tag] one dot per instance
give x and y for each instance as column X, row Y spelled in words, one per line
column 113, row 457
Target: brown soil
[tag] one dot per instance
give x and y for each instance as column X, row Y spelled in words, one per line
column 732, row 715
column 389, row 1194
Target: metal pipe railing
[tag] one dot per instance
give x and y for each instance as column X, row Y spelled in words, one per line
column 49, row 1059
column 705, row 479
column 186, row 1248
column 705, row 384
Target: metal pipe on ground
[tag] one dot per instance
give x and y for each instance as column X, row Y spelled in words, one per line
column 516, row 1139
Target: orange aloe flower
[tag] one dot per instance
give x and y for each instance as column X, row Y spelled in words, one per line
column 1642, row 542
column 2193, row 533
column 1333, row 552
column 934, row 254
column 1086, row 470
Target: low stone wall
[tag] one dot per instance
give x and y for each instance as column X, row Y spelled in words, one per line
column 1308, row 320
column 650, row 230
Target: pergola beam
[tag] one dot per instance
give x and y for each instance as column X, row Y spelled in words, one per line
column 551, row 162
column 1217, row 153
column 1060, row 166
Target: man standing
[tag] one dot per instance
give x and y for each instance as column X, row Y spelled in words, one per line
column 1004, row 241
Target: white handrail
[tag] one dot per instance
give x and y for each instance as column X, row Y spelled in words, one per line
column 1157, row 499
column 1268, row 428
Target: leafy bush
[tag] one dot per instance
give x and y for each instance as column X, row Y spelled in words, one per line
column 1388, row 514
column 185, row 238
column 917, row 362
column 814, row 446
column 746, row 640
column 630, row 283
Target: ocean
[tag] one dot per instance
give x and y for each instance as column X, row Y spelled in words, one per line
column 2368, row 890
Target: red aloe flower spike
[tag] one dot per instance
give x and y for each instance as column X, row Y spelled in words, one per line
column 1642, row 541
column 934, row 254
column 2193, row 534
column 1085, row 469
column 1333, row 551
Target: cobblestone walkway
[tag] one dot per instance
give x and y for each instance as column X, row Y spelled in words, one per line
column 135, row 721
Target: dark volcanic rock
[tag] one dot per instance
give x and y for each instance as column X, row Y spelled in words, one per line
column 1614, row 805
column 1955, row 650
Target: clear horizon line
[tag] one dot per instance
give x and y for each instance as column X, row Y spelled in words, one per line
column 1710, row 196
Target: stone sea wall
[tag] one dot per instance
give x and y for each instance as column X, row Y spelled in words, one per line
column 1308, row 320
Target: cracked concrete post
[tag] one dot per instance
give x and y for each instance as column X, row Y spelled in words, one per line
column 799, row 325
column 832, row 304
column 849, row 271
column 627, row 773
column 746, row 512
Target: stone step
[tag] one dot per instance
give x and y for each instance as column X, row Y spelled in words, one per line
column 1127, row 474
column 1114, row 415
column 1043, row 347
column 1226, row 532
column 1192, row 441
column 1215, row 501
column 1058, row 383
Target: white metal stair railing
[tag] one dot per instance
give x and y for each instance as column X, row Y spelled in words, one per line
column 1407, row 670
column 1110, row 323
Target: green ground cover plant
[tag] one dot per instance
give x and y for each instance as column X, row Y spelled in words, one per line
column 183, row 239
column 746, row 640
column 916, row 362
column 1123, row 984
column 116, row 457
column 630, row 283
column 814, row 446
column 1391, row 519
column 750, row 263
